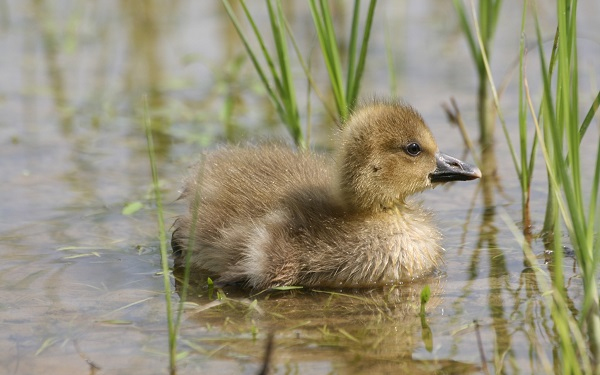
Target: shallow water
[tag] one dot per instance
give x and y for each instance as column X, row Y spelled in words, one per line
column 79, row 282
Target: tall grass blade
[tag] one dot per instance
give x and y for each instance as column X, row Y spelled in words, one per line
column 345, row 95
column 466, row 27
column 276, row 72
column 567, row 329
column 589, row 116
column 562, row 136
column 523, row 172
column 355, row 75
column 288, row 93
column 331, row 112
column 162, row 235
column 326, row 35
column 490, row 80
column 283, row 95
column 479, row 38
column 352, row 46
column 185, row 282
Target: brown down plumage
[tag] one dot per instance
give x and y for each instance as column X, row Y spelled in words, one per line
column 268, row 215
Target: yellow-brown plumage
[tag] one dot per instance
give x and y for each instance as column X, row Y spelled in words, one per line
column 268, row 216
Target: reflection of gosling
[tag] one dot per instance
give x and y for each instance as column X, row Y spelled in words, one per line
column 269, row 216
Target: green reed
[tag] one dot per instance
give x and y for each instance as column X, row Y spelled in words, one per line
column 275, row 72
column 283, row 94
column 162, row 236
column 486, row 23
column 527, row 157
column 560, row 134
column 345, row 99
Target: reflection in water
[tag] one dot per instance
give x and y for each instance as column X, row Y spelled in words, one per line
column 351, row 330
column 498, row 272
column 499, row 281
column 144, row 74
column 536, row 318
column 51, row 44
column 505, row 302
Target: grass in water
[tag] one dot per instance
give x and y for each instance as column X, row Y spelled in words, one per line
column 345, row 97
column 479, row 37
column 280, row 87
column 274, row 70
column 559, row 134
column 162, row 236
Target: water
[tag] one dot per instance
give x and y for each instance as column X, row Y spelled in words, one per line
column 79, row 282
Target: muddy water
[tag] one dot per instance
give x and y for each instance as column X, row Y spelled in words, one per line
column 80, row 287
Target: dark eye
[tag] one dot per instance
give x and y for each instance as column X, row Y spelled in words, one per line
column 413, row 149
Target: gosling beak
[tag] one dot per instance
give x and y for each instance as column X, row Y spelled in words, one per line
column 451, row 169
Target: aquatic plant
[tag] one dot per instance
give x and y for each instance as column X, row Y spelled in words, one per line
column 283, row 94
column 162, row 237
column 275, row 73
column 559, row 134
column 345, row 98
column 479, row 37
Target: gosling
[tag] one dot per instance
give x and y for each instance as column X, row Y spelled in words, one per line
column 266, row 216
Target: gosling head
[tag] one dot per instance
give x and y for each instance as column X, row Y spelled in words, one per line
column 387, row 153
